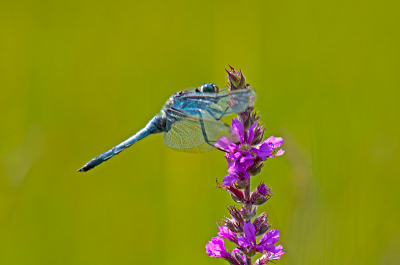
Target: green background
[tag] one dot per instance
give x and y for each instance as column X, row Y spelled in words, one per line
column 78, row 77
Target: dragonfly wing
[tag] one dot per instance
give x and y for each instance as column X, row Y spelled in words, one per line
column 192, row 134
column 237, row 100
column 219, row 104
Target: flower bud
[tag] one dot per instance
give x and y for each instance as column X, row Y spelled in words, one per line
column 255, row 169
column 261, row 224
column 245, row 117
column 260, row 220
column 258, row 134
column 253, row 117
column 263, row 228
column 238, row 255
column 236, row 80
column 231, row 259
column 237, row 215
column 242, row 183
column 248, row 211
column 232, row 225
column 236, row 194
column 261, row 194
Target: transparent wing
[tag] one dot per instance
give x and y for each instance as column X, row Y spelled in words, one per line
column 237, row 100
column 218, row 104
column 192, row 134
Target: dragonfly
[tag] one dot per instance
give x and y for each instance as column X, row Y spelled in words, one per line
column 190, row 120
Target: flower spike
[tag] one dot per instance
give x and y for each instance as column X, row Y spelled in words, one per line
column 246, row 151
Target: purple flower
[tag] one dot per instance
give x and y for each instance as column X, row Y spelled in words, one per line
column 249, row 240
column 216, row 248
column 239, row 151
column 266, row 243
column 270, row 256
column 240, row 146
column 267, row 148
column 276, row 253
column 236, row 171
column 269, row 239
column 226, row 233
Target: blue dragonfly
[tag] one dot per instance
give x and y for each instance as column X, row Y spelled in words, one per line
column 190, row 120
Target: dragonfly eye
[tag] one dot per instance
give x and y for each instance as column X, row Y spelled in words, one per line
column 209, row 88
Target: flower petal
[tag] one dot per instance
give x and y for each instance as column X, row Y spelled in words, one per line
column 267, row 248
column 280, row 152
column 251, row 133
column 226, row 233
column 244, row 242
column 237, row 129
column 239, row 169
column 216, row 248
column 270, row 238
column 249, row 231
column 233, row 167
column 245, row 175
column 275, row 141
column 223, row 143
column 247, row 160
column 236, row 155
column 277, row 253
column 264, row 151
column 230, row 179
column 260, row 248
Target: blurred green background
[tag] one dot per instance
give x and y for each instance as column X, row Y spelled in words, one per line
column 78, row 77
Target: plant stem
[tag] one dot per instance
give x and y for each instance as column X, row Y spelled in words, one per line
column 247, row 192
column 248, row 206
column 247, row 198
column 248, row 261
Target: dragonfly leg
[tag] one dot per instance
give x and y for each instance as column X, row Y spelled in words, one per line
column 203, row 130
column 219, row 112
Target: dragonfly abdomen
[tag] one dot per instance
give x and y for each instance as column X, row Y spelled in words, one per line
column 155, row 125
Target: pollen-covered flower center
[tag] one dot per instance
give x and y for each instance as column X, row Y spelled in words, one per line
column 245, row 147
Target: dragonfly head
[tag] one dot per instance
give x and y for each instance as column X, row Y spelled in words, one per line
column 209, row 88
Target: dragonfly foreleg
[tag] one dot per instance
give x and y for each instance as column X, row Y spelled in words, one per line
column 203, row 130
column 219, row 112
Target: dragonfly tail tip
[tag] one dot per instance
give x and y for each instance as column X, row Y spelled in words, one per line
column 82, row 169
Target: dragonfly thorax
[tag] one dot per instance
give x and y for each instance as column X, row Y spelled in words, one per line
column 171, row 100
